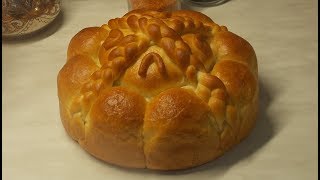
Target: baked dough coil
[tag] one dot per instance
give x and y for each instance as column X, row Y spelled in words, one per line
column 158, row 90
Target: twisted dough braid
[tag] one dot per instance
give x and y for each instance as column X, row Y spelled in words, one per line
column 158, row 90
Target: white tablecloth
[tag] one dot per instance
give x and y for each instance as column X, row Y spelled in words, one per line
column 282, row 146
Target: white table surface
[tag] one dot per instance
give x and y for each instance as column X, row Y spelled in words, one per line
column 282, row 146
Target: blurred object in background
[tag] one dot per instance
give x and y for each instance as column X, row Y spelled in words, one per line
column 21, row 17
column 205, row 2
column 159, row 5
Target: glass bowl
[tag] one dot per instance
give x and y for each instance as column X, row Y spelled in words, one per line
column 20, row 17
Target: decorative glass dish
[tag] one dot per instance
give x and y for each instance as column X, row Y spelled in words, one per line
column 20, row 17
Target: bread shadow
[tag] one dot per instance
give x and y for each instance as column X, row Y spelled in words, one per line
column 264, row 130
column 37, row 35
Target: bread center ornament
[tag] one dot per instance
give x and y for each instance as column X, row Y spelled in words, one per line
column 158, row 90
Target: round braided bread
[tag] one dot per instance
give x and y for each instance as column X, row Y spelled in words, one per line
column 158, row 90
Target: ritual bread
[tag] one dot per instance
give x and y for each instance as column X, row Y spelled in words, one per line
column 158, row 90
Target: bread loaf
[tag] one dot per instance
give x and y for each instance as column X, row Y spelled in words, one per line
column 158, row 90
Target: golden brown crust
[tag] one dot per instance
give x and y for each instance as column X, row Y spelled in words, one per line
column 194, row 15
column 87, row 42
column 114, row 128
column 229, row 46
column 71, row 77
column 178, row 131
column 158, row 90
column 74, row 74
column 239, row 81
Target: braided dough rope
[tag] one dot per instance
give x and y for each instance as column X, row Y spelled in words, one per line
column 158, row 90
